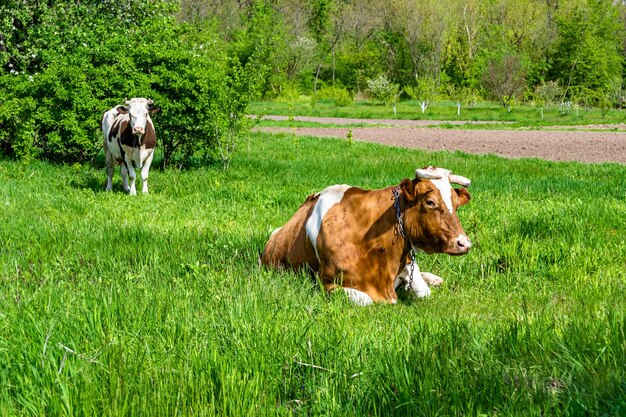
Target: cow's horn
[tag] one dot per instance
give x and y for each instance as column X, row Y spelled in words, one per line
column 150, row 102
column 457, row 179
column 427, row 174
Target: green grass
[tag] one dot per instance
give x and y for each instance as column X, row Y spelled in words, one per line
column 155, row 305
column 522, row 115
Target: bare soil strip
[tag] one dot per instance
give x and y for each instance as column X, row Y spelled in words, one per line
column 554, row 145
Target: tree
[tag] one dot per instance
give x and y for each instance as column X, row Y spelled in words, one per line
column 423, row 91
column 416, row 36
column 329, row 23
column 547, row 94
column 456, row 94
column 588, row 54
column 466, row 36
column 385, row 90
column 504, row 79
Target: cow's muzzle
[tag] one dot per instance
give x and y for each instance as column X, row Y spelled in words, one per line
column 138, row 130
column 461, row 245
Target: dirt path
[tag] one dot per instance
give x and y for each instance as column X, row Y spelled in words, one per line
column 580, row 145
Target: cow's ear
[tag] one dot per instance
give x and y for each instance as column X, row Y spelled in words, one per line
column 154, row 109
column 408, row 189
column 464, row 196
column 122, row 109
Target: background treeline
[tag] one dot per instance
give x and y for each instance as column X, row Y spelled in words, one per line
column 505, row 50
column 491, row 48
column 62, row 63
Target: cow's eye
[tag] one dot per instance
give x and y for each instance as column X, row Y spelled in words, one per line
column 431, row 203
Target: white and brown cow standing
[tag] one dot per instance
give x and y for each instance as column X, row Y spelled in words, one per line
column 362, row 240
column 129, row 140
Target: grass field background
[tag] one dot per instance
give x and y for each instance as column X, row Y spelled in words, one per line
column 113, row 305
column 490, row 114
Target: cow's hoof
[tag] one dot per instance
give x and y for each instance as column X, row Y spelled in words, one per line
column 422, row 292
column 432, row 279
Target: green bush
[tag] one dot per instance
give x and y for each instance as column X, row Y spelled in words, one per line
column 56, row 80
column 339, row 95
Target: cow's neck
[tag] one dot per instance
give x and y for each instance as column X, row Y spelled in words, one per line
column 383, row 230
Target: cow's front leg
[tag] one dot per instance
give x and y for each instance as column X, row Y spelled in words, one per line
column 432, row 279
column 145, row 170
column 357, row 297
column 124, row 174
column 110, row 164
column 414, row 283
column 132, row 175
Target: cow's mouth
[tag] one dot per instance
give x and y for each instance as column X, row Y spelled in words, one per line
column 455, row 247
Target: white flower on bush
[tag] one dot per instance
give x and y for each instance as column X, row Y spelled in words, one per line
column 384, row 90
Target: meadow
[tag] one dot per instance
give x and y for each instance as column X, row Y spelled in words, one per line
column 524, row 115
column 113, row 305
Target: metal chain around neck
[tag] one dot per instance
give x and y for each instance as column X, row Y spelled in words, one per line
column 399, row 217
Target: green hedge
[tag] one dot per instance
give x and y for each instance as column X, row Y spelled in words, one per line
column 57, row 79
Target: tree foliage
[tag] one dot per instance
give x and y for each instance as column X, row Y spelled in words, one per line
column 424, row 91
column 64, row 63
column 384, row 90
column 589, row 54
column 577, row 43
column 505, row 79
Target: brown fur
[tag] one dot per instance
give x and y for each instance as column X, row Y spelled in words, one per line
column 122, row 127
column 290, row 247
column 359, row 243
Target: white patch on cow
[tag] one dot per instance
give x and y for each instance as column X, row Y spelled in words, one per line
column 138, row 110
column 432, row 279
column 140, row 158
column 107, row 121
column 327, row 198
column 442, row 183
column 146, row 157
column 445, row 189
column 112, row 153
column 416, row 284
column 358, row 297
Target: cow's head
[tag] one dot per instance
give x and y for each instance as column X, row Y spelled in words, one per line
column 138, row 110
column 430, row 216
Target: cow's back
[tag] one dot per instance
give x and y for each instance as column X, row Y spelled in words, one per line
column 108, row 118
column 111, row 125
column 289, row 245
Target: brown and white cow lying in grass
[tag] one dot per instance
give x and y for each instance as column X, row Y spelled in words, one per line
column 362, row 241
column 129, row 140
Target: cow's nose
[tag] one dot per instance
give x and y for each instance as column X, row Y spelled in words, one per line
column 463, row 243
column 138, row 130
